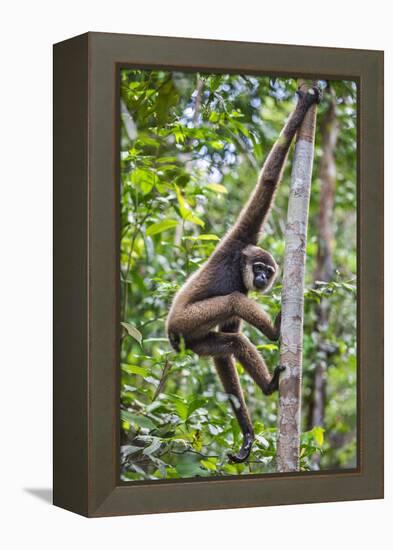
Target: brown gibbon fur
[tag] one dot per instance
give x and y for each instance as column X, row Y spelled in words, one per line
column 215, row 296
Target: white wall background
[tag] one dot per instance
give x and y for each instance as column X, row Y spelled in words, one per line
column 28, row 30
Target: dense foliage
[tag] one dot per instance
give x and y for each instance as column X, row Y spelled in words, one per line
column 191, row 149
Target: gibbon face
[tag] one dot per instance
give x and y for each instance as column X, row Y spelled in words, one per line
column 259, row 269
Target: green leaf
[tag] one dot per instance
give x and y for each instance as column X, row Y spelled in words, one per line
column 132, row 331
column 217, row 187
column 134, row 369
column 182, row 410
column 214, row 117
column 267, row 347
column 144, row 179
column 139, row 420
column 210, row 464
column 180, row 199
column 185, row 211
column 190, row 217
column 203, row 237
column 236, row 114
column 195, row 405
column 155, row 340
column 318, row 433
column 208, row 237
column 159, row 227
column 189, row 469
column 230, row 469
column 197, row 440
column 179, row 134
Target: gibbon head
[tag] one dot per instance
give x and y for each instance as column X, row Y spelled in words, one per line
column 259, row 269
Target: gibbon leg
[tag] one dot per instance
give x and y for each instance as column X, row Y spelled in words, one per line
column 253, row 362
column 221, row 344
column 226, row 370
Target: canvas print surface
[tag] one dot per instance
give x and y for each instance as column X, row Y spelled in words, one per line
column 203, row 234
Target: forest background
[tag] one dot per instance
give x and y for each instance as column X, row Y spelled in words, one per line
column 191, row 149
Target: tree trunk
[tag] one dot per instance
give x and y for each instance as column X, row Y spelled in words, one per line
column 324, row 266
column 329, row 132
column 289, row 421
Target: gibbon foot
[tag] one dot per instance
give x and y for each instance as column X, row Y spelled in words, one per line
column 245, row 450
column 273, row 385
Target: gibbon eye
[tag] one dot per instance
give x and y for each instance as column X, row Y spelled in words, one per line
column 258, row 267
column 269, row 271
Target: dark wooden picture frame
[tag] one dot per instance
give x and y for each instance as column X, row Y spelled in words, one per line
column 86, row 274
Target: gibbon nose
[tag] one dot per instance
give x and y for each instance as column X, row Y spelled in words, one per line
column 261, row 280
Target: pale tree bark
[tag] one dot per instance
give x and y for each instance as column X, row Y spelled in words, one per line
column 198, row 100
column 289, row 419
column 128, row 121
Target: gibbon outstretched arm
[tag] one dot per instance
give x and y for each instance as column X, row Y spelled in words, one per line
column 254, row 214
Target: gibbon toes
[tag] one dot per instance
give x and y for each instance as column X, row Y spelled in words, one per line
column 273, row 385
column 245, row 450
